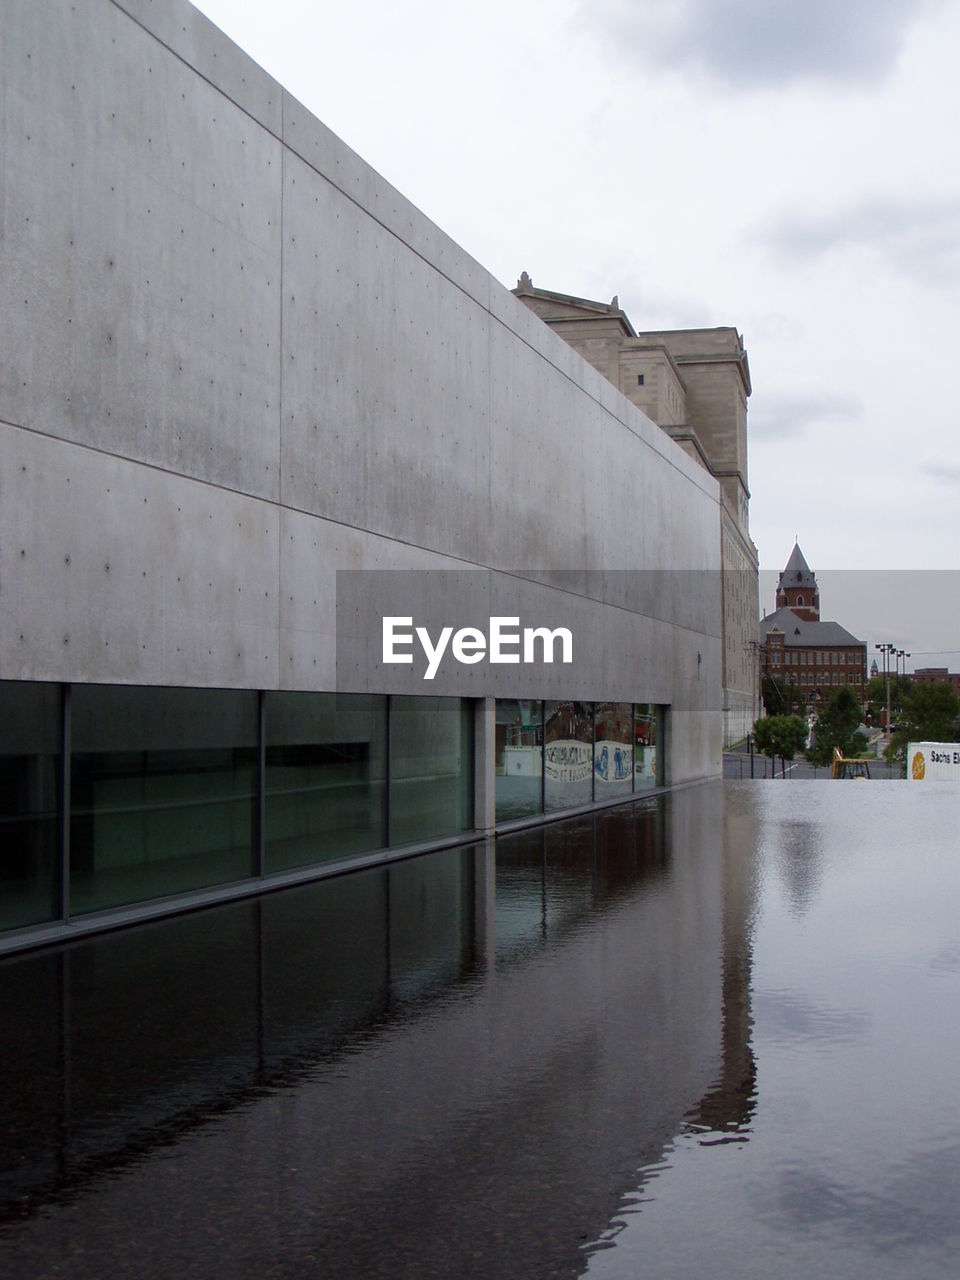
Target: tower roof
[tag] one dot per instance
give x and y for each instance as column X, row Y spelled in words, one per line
column 796, row 572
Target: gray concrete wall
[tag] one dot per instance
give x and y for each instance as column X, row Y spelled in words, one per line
column 235, row 361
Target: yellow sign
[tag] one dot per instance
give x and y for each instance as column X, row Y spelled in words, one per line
column 918, row 768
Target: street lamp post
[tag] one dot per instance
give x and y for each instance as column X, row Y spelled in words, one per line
column 887, row 649
column 904, row 655
column 891, row 650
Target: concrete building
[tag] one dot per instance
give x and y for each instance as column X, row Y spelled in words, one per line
column 694, row 383
column 801, row 649
column 252, row 402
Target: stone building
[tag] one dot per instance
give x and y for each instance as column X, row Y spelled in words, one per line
column 694, row 384
column 799, row 648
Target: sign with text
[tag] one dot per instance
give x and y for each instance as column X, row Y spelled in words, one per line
column 933, row 761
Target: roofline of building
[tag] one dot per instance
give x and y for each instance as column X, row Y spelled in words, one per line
column 681, row 433
column 738, row 357
column 726, row 474
column 526, row 289
column 789, row 638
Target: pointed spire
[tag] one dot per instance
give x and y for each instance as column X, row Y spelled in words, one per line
column 796, row 569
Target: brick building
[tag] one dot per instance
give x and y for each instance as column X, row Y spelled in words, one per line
column 799, row 648
column 937, row 675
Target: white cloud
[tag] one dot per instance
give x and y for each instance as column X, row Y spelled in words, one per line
column 747, row 43
column 919, row 237
column 787, row 415
column 944, row 472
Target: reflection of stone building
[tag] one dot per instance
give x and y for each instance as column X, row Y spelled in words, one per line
column 694, row 384
column 798, row 648
column 729, row 1104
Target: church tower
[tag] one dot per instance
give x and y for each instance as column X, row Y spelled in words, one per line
column 797, row 588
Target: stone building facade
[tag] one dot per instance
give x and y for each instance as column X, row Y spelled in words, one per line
column 694, row 384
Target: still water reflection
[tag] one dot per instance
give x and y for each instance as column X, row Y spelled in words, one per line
column 714, row 1032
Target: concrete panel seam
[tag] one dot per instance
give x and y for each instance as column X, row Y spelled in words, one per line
column 704, row 482
column 138, row 22
column 472, row 565
column 390, row 231
column 280, row 351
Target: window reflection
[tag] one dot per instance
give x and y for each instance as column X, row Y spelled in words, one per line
column 431, row 768
column 519, row 758
column 163, row 792
column 613, row 749
column 645, row 755
column 568, row 754
column 326, row 774
column 166, row 782
column 29, row 784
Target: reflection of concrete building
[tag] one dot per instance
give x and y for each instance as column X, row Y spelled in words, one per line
column 799, row 648
column 464, row 1063
column 237, row 365
column 694, row 384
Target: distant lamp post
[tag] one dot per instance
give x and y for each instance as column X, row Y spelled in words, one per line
column 904, row 655
column 888, row 649
column 758, row 653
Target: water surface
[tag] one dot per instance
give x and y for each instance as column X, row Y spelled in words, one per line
column 714, row 1032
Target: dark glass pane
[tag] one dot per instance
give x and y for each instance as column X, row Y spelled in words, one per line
column 431, row 768
column 326, row 777
column 613, row 749
column 163, row 792
column 29, row 787
column 645, row 746
column 519, row 758
column 568, row 756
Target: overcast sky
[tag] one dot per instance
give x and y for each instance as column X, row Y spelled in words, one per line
column 787, row 168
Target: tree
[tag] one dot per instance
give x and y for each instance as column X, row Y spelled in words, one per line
column 780, row 698
column 837, row 725
column 781, row 736
column 930, row 713
column 876, row 695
